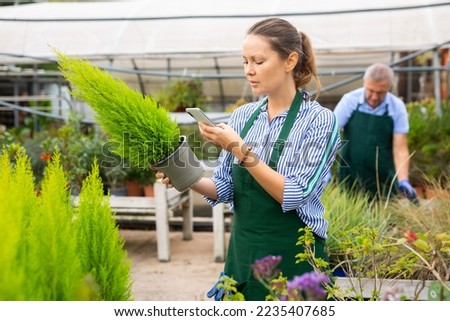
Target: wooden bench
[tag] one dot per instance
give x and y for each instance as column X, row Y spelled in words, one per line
column 137, row 209
column 159, row 209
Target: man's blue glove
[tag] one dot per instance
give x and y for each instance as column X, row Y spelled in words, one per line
column 217, row 291
column 405, row 187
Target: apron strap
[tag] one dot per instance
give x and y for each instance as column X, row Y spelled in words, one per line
column 252, row 118
column 285, row 130
column 284, row 133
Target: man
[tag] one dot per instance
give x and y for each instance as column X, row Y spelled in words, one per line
column 375, row 125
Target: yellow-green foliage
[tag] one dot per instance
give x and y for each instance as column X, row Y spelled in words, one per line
column 99, row 242
column 41, row 256
column 431, row 215
column 52, row 253
column 139, row 128
column 16, row 183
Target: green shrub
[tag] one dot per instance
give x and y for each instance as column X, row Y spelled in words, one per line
column 55, row 272
column 42, row 241
column 429, row 141
column 99, row 244
column 16, row 183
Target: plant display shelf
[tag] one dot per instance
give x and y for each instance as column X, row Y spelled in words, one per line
column 407, row 287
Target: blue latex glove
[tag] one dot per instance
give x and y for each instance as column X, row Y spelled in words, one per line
column 405, row 187
column 216, row 291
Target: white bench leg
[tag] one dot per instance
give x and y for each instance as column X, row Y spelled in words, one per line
column 162, row 222
column 188, row 213
column 219, row 232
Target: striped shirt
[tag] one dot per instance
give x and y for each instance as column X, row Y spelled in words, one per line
column 308, row 154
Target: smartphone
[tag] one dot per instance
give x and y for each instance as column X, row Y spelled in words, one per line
column 200, row 116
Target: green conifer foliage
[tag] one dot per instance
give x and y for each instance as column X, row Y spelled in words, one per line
column 99, row 244
column 139, row 128
column 48, row 250
column 52, row 255
column 16, row 182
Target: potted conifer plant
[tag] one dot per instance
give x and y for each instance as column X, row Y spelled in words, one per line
column 140, row 129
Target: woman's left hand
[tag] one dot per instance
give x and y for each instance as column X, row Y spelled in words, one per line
column 164, row 179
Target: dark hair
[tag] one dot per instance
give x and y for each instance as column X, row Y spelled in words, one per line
column 284, row 39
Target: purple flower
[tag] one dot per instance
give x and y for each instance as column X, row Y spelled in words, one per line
column 265, row 268
column 308, row 286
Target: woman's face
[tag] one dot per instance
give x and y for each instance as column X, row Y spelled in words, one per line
column 264, row 69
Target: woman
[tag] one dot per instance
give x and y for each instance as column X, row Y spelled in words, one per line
column 275, row 153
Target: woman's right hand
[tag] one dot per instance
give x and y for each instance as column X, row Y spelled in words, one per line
column 164, row 179
column 221, row 135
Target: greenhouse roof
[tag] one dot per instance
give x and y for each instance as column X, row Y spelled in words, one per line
column 178, row 28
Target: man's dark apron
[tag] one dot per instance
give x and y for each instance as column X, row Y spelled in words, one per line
column 260, row 227
column 368, row 161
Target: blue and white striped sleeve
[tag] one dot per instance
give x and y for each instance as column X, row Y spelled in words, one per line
column 307, row 163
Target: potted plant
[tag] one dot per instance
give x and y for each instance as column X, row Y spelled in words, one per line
column 141, row 130
column 133, row 181
column 180, row 94
column 139, row 181
column 115, row 180
column 147, row 180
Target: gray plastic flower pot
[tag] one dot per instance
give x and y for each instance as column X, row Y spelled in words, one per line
column 182, row 167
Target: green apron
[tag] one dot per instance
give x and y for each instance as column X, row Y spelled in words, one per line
column 260, row 227
column 368, row 162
